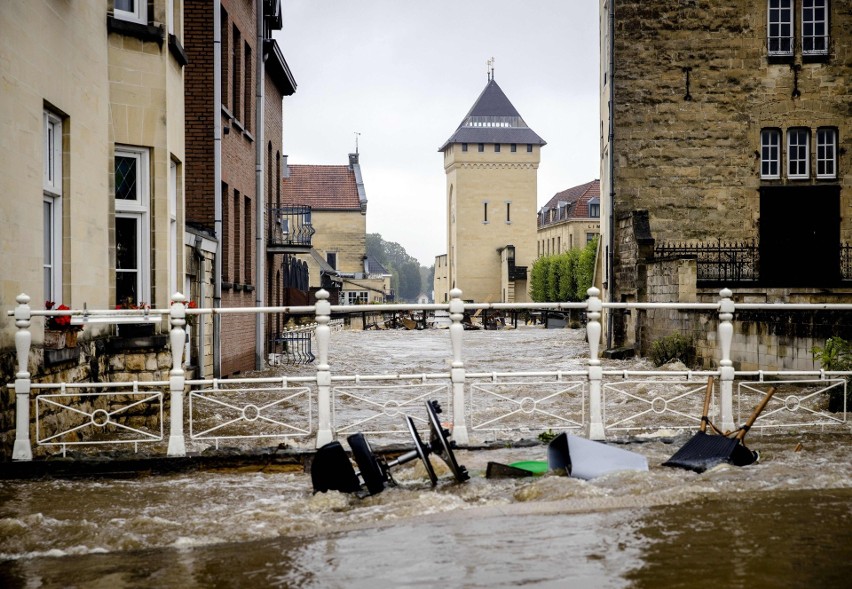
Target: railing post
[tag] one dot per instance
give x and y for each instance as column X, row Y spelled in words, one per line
column 726, row 367
column 23, row 449
column 177, row 377
column 457, row 376
column 323, row 313
column 593, row 332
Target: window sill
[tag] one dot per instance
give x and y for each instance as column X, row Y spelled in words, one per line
column 239, row 126
column 227, row 114
column 780, row 59
column 815, row 58
column 248, row 136
column 136, row 30
column 54, row 357
column 177, row 51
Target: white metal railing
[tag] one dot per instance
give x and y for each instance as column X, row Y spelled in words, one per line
column 594, row 399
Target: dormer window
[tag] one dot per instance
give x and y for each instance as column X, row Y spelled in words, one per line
column 595, row 208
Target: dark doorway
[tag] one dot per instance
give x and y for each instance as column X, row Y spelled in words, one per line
column 800, row 236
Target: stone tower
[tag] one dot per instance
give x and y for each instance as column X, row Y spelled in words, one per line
column 491, row 163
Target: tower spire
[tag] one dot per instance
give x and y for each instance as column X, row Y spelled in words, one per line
column 490, row 69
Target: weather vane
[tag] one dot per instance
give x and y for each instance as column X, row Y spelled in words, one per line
column 491, row 68
column 356, row 141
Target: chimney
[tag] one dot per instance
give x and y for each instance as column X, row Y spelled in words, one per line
column 353, row 160
column 285, row 169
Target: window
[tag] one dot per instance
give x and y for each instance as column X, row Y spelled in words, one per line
column 826, row 154
column 496, row 148
column 780, row 27
column 237, row 226
column 485, row 212
column 529, row 147
column 770, row 154
column 594, row 208
column 355, row 297
column 590, row 237
column 508, row 212
column 814, row 27
column 797, row 153
column 464, row 146
column 52, row 207
column 131, row 10
column 481, row 147
column 247, row 243
column 236, row 74
column 247, row 89
column 513, row 147
column 224, row 29
column 132, row 231
column 331, row 258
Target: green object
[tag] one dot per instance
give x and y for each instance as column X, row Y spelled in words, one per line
column 534, row 466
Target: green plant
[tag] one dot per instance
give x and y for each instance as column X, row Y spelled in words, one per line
column 836, row 355
column 673, row 347
column 546, row 437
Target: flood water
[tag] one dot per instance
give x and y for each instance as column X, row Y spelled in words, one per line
column 784, row 522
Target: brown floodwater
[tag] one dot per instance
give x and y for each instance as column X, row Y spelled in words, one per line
column 783, row 522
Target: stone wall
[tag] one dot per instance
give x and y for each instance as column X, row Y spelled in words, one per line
column 95, row 360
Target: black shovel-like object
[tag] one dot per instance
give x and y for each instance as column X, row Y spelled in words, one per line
column 704, row 451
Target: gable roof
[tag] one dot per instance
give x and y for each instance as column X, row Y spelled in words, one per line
column 574, row 203
column 493, row 119
column 322, row 187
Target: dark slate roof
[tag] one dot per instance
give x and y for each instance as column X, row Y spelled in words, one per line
column 321, row 188
column 574, row 203
column 372, row 266
column 493, row 119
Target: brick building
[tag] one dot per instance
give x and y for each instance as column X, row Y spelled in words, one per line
column 234, row 159
column 723, row 146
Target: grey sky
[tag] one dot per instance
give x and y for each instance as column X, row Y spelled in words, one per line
column 404, row 73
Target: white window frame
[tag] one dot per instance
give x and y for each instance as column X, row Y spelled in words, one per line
column 355, row 297
column 826, row 153
column 770, row 154
column 139, row 13
column 809, row 20
column 798, row 153
column 138, row 209
column 777, row 10
column 52, row 207
column 173, row 232
column 594, row 207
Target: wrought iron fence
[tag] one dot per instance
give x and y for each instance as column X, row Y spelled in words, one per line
column 289, row 226
column 719, row 262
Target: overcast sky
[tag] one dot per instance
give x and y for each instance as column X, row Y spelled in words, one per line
column 403, row 74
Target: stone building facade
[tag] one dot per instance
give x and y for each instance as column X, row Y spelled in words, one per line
column 92, row 157
column 491, row 164
column 723, row 138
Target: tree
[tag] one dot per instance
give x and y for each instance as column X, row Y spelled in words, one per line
column 406, row 269
column 564, row 277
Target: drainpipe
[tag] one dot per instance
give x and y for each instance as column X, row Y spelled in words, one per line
column 260, row 198
column 611, row 235
column 217, row 184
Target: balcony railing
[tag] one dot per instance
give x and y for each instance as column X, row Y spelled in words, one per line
column 289, row 228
